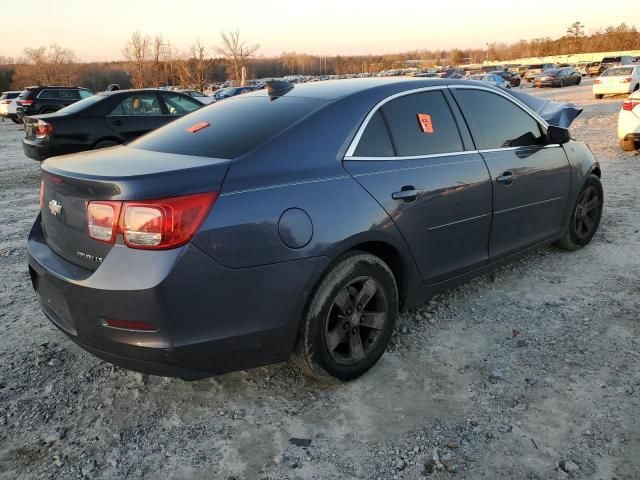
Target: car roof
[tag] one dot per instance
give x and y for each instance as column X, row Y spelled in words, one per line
column 35, row 87
column 139, row 90
column 335, row 89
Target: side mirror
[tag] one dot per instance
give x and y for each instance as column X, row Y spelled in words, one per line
column 557, row 135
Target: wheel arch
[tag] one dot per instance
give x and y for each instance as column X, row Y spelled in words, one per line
column 108, row 138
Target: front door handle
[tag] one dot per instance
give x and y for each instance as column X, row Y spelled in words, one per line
column 506, row 178
column 407, row 193
column 117, row 123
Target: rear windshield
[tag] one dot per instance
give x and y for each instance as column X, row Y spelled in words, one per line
column 25, row 94
column 611, row 59
column 535, row 67
column 228, row 129
column 616, row 72
column 8, row 95
column 81, row 104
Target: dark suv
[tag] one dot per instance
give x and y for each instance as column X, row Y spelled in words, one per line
column 40, row 99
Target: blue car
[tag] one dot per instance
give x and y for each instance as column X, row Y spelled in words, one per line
column 296, row 222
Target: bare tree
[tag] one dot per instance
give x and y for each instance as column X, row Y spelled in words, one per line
column 236, row 52
column 195, row 69
column 48, row 66
column 136, row 50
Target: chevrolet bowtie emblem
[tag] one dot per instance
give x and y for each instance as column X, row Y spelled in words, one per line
column 55, row 207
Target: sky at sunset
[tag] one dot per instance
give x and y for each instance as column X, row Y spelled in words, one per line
column 97, row 30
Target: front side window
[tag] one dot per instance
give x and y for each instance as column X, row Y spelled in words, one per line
column 497, row 122
column 179, row 104
column 375, row 141
column 422, row 124
column 139, row 104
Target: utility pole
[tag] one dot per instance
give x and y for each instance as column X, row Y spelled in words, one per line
column 165, row 55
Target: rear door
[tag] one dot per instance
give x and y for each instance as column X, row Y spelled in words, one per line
column 136, row 114
column 416, row 159
column 531, row 179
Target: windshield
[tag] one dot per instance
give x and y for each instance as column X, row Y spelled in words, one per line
column 81, row 104
column 226, row 91
column 611, row 59
column 617, row 72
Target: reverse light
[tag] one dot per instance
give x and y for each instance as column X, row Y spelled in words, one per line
column 43, row 129
column 150, row 224
column 629, row 104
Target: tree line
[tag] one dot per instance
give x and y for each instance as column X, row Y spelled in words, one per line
column 151, row 61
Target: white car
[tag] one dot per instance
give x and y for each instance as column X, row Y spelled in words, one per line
column 629, row 122
column 8, row 105
column 201, row 97
column 617, row 80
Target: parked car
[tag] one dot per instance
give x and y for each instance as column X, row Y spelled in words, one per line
column 513, row 78
column 582, row 67
column 608, row 62
column 8, row 106
column 41, row 99
column 537, row 69
column 229, row 92
column 103, row 120
column 207, row 246
column 201, row 97
column 491, row 79
column 593, row 69
column 616, row 81
column 558, row 77
column 629, row 122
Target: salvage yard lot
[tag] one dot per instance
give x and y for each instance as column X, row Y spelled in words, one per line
column 528, row 372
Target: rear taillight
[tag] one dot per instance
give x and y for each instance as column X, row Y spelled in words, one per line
column 5, row 102
column 25, row 103
column 43, row 129
column 150, row 224
column 626, row 80
column 41, row 193
column 102, row 220
column 596, row 81
column 630, row 104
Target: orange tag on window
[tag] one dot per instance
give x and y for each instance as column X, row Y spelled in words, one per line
column 197, row 127
column 425, row 122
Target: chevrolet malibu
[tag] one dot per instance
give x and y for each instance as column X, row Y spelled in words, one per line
column 297, row 221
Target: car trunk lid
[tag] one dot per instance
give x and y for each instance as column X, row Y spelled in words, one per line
column 113, row 174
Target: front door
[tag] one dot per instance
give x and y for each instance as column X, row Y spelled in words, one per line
column 411, row 158
column 137, row 114
column 530, row 179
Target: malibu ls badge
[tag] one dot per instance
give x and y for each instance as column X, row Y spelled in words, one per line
column 55, row 207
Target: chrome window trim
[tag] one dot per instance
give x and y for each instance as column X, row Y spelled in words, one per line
column 354, row 143
column 349, row 155
column 415, row 157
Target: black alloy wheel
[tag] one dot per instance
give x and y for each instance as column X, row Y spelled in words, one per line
column 587, row 213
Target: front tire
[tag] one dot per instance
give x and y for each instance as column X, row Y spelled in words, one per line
column 349, row 320
column 585, row 217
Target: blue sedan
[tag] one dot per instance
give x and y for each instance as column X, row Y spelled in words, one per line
column 296, row 222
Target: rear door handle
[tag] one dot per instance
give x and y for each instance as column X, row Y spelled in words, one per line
column 407, row 194
column 506, row 178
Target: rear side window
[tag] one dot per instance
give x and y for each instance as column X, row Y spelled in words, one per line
column 497, row 122
column 228, row 129
column 375, row 141
column 69, row 95
column 138, row 104
column 49, row 94
column 422, row 124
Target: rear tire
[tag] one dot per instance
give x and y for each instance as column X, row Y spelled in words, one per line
column 15, row 120
column 599, row 96
column 585, row 216
column 349, row 320
column 629, row 144
column 105, row 144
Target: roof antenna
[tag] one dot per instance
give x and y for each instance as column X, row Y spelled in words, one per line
column 277, row 88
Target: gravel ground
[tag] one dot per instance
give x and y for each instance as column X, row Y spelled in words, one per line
column 531, row 372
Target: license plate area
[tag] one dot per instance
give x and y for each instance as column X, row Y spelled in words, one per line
column 54, row 304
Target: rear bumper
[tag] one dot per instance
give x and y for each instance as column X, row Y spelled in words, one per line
column 614, row 89
column 209, row 319
column 36, row 150
column 11, row 116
